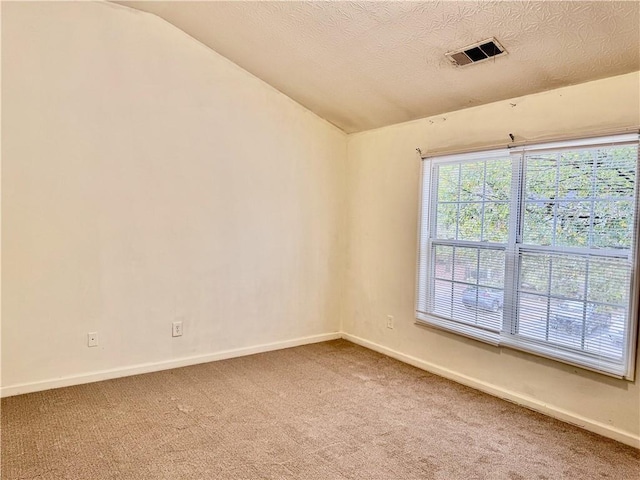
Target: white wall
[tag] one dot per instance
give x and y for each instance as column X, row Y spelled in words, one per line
column 148, row 179
column 383, row 178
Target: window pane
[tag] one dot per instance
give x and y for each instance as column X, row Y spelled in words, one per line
column 448, row 183
column 481, row 299
column 444, row 262
column 498, row 180
column 576, row 171
column 466, row 264
column 467, row 207
column 587, row 305
column 446, row 221
column 616, row 171
column 609, row 341
column 613, row 223
column 532, row 316
column 540, row 177
column 496, row 222
column 468, row 304
column 538, row 223
column 534, row 273
column 566, row 322
column 484, row 304
column 470, row 222
column 442, row 298
column 491, row 269
column 582, row 198
column 471, row 181
column 568, row 276
column 609, row 281
column 573, row 220
column 570, row 323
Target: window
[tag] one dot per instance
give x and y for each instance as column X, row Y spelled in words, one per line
column 535, row 248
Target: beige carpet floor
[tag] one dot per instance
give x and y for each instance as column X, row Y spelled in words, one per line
column 325, row 411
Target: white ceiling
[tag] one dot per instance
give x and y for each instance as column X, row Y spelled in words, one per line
column 363, row 65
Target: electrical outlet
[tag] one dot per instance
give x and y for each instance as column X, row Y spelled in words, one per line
column 390, row 322
column 92, row 339
column 177, row 329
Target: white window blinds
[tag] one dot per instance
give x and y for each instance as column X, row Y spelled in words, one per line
column 535, row 248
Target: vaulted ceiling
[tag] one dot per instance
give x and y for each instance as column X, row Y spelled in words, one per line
column 363, row 65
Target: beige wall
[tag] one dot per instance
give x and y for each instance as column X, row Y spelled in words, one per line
column 147, row 179
column 383, row 178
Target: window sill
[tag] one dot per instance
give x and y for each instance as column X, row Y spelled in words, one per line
column 531, row 347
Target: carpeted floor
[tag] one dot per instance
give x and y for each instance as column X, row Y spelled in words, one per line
column 325, row 411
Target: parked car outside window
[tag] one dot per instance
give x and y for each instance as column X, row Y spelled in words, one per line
column 484, row 298
column 568, row 315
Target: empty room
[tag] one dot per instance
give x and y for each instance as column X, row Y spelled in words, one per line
column 320, row 240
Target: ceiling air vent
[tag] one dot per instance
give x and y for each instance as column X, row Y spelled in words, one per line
column 476, row 53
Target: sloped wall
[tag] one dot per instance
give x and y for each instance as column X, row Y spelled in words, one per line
column 147, row 179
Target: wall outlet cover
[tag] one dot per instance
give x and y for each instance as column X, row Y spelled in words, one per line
column 92, row 339
column 177, row 329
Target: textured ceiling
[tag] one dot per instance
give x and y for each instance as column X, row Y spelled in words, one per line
column 363, row 65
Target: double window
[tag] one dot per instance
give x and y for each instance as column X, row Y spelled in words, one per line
column 535, row 248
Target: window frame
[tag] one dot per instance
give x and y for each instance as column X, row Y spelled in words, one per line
column 507, row 335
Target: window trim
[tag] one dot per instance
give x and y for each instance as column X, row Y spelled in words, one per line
column 504, row 337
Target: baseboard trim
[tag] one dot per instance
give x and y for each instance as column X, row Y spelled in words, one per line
column 523, row 400
column 515, row 397
column 12, row 390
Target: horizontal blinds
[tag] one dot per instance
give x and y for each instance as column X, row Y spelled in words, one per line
column 620, row 139
column 468, row 234
column 576, row 251
column 535, row 249
column 468, row 157
column 424, row 236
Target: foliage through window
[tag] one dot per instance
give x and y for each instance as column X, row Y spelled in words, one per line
column 535, row 248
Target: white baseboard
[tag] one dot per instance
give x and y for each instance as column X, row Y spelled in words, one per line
column 518, row 398
column 163, row 365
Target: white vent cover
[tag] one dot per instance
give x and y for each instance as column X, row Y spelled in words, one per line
column 476, row 53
